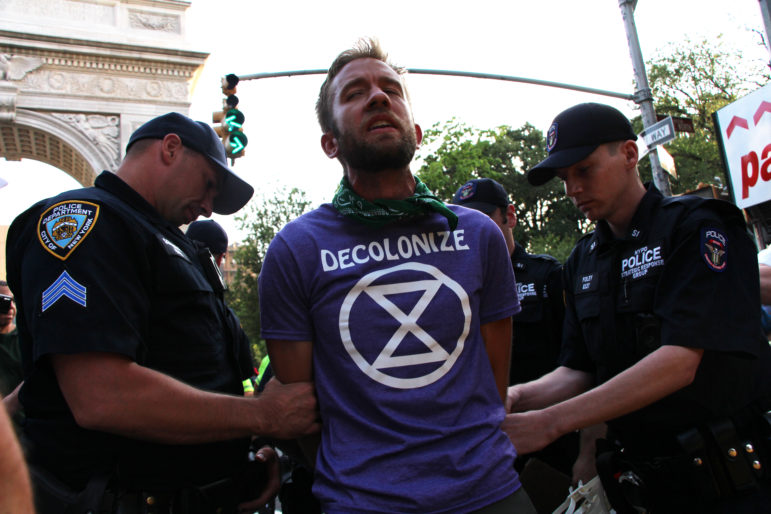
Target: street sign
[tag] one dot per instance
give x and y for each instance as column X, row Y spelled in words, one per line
column 682, row 124
column 744, row 128
column 659, row 133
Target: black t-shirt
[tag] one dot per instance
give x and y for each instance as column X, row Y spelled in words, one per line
column 685, row 274
column 98, row 270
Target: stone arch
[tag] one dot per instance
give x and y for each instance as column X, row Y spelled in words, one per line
column 50, row 139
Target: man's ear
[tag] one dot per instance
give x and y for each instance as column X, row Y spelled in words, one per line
column 329, row 145
column 171, row 148
column 511, row 216
column 418, row 134
column 630, row 152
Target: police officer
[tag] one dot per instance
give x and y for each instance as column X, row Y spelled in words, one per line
column 132, row 376
column 537, row 328
column 662, row 334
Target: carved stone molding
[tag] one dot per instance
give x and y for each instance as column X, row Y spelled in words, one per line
column 14, row 67
column 8, row 94
column 107, row 86
column 103, row 131
column 62, row 9
column 153, row 21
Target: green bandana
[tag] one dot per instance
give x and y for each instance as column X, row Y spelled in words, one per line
column 382, row 211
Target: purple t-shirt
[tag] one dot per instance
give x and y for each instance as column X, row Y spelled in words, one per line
column 411, row 414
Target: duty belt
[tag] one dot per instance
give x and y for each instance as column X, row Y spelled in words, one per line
column 716, row 461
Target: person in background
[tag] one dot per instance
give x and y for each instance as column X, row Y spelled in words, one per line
column 661, row 338
column 399, row 307
column 132, row 389
column 213, row 237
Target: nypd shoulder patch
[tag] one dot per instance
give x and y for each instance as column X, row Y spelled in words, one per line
column 713, row 248
column 63, row 226
column 64, row 287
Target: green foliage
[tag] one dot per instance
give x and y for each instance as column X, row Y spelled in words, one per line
column 262, row 221
column 695, row 79
column 457, row 153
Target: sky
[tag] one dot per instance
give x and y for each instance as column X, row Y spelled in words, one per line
column 576, row 42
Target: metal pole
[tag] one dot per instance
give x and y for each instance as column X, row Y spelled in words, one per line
column 419, row 71
column 643, row 96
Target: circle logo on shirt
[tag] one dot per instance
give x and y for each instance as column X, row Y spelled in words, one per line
column 413, row 313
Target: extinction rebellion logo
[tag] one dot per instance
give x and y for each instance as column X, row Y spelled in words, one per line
column 398, row 364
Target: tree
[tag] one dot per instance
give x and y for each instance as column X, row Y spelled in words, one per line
column 455, row 153
column 694, row 80
column 261, row 222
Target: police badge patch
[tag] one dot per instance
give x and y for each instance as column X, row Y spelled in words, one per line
column 713, row 248
column 551, row 138
column 467, row 191
column 62, row 227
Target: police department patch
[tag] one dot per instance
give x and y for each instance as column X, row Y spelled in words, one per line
column 62, row 227
column 466, row 191
column 713, row 248
column 551, row 138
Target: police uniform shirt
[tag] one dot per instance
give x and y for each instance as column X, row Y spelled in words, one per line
column 98, row 270
column 537, row 333
column 685, row 275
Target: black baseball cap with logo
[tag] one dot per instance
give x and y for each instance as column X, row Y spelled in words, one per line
column 482, row 194
column 577, row 132
column 200, row 137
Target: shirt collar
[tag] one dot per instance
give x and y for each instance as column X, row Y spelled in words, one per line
column 111, row 183
column 638, row 227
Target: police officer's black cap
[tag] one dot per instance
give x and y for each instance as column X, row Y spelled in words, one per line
column 482, row 194
column 198, row 136
column 210, row 233
column 577, row 132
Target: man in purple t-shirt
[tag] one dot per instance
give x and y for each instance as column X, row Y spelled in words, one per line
column 399, row 306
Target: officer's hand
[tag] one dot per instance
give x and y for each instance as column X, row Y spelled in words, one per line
column 529, row 431
column 290, row 410
column 267, row 455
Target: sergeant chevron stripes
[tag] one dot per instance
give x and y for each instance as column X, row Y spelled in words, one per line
column 64, row 286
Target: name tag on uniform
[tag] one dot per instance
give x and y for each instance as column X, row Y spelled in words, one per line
column 586, row 283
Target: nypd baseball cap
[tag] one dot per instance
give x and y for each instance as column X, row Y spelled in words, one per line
column 482, row 194
column 577, row 132
column 200, row 137
column 210, row 233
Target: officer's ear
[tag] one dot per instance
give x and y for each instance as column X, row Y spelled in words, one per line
column 511, row 216
column 630, row 152
column 171, row 148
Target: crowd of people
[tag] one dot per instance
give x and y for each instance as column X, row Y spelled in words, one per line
column 423, row 361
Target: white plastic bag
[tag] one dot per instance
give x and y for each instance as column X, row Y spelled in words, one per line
column 588, row 498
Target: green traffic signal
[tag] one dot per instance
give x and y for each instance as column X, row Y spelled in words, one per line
column 234, row 120
column 237, row 141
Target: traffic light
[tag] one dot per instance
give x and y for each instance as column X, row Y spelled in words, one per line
column 229, row 83
column 231, row 120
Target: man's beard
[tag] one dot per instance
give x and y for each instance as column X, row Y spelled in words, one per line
column 374, row 157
